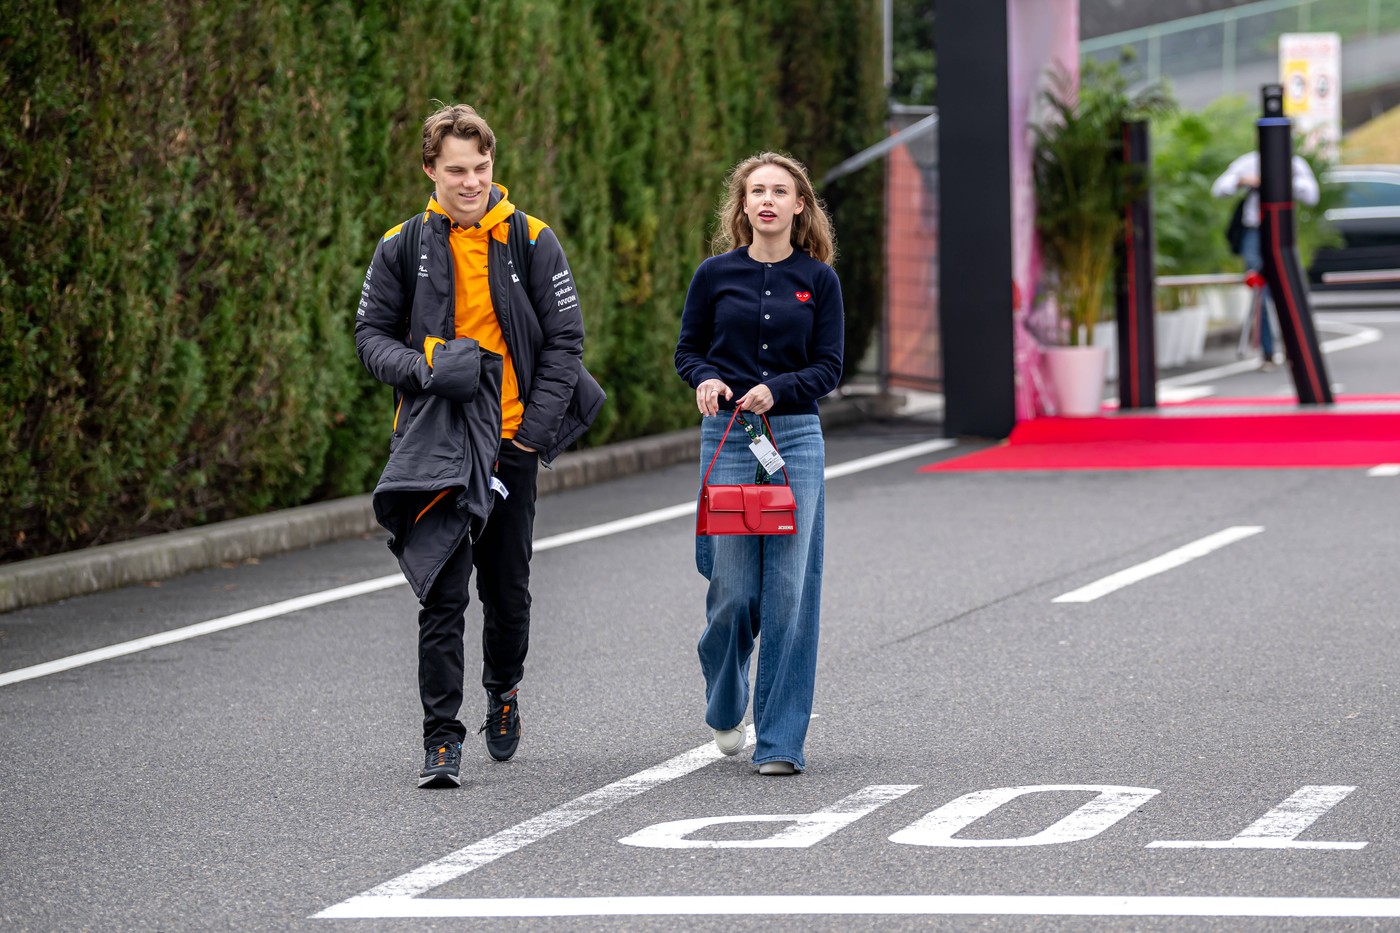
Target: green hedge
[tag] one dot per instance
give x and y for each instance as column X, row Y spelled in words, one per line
column 190, row 195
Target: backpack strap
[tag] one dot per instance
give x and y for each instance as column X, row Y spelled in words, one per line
column 519, row 242
column 410, row 239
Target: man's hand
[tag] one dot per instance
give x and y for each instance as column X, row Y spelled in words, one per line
column 707, row 395
column 757, row 400
column 529, row 450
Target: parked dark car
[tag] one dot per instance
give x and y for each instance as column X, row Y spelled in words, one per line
column 1368, row 218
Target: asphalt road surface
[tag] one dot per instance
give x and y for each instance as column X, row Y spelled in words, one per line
column 1209, row 746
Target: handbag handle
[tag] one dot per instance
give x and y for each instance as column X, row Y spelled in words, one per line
column 726, row 437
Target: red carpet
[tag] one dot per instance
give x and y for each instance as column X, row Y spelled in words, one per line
column 1198, row 435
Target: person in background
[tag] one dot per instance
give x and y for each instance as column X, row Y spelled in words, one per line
column 1243, row 176
column 762, row 330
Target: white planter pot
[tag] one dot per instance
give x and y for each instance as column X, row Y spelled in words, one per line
column 1227, row 304
column 1168, row 339
column 1197, row 324
column 1106, row 336
column 1076, row 376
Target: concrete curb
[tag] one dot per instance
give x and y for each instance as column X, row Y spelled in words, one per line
column 161, row 557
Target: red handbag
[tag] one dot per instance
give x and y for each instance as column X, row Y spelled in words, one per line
column 748, row 509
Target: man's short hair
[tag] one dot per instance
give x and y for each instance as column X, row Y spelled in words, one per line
column 458, row 120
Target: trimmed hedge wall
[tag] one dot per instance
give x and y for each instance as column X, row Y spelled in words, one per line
column 190, row 194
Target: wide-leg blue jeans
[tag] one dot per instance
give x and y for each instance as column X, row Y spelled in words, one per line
column 765, row 588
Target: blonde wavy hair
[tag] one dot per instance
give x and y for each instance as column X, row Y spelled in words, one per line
column 811, row 230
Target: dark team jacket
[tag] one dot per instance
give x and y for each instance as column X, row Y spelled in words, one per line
column 748, row 322
column 447, row 420
column 540, row 320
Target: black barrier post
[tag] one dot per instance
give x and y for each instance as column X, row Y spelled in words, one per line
column 974, row 246
column 1278, row 242
column 1137, row 355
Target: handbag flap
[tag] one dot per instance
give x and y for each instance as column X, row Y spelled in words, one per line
column 751, row 500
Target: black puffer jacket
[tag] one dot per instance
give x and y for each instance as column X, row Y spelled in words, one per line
column 435, row 489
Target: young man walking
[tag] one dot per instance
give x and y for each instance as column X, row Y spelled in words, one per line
column 469, row 312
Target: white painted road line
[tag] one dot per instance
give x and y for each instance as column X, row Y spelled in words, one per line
column 1385, row 469
column 201, row 628
column 683, row 509
column 1359, row 337
column 861, row 464
column 807, row 829
column 408, row 886
column 273, row 610
column 1281, row 826
column 1168, row 561
column 876, row 904
column 1356, row 336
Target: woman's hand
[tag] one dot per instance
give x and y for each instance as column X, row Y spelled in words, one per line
column 757, row 400
column 707, row 395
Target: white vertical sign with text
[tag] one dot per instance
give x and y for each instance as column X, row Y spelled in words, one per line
column 1310, row 70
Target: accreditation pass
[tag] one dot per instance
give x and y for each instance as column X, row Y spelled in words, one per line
column 762, row 448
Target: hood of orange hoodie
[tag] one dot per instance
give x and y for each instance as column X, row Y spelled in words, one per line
column 498, row 207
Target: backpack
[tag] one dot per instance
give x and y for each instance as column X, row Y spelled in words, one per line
column 411, row 237
column 1234, row 233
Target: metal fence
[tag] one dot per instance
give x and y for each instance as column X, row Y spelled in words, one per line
column 1234, row 51
column 910, row 351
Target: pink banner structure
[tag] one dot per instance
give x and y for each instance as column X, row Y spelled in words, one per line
column 1043, row 36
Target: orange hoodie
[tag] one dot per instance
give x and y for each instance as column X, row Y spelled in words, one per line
column 475, row 315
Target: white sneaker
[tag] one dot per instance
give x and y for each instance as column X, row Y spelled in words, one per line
column 730, row 741
column 777, row 768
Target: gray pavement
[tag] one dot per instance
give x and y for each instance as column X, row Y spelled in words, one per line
column 259, row 776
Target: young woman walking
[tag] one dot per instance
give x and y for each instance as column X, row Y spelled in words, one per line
column 762, row 330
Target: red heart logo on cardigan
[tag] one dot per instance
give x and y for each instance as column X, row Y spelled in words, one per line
column 803, row 296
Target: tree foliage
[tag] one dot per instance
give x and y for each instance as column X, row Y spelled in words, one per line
column 912, row 54
column 191, row 193
column 1082, row 184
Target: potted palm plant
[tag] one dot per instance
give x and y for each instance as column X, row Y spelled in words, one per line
column 1081, row 188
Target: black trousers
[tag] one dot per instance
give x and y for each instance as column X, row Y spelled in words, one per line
column 501, row 556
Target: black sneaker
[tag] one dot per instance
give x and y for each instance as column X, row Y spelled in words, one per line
column 502, row 725
column 442, row 767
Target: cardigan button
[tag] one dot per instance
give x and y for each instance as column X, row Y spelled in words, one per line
column 765, row 346
column 767, row 316
column 767, row 293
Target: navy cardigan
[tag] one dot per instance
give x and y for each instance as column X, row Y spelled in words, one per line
column 781, row 324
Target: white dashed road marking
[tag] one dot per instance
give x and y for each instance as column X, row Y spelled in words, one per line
column 1168, row 561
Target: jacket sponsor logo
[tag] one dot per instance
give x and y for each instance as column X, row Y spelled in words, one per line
column 561, row 275
column 515, row 278
column 803, row 296
column 364, row 292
